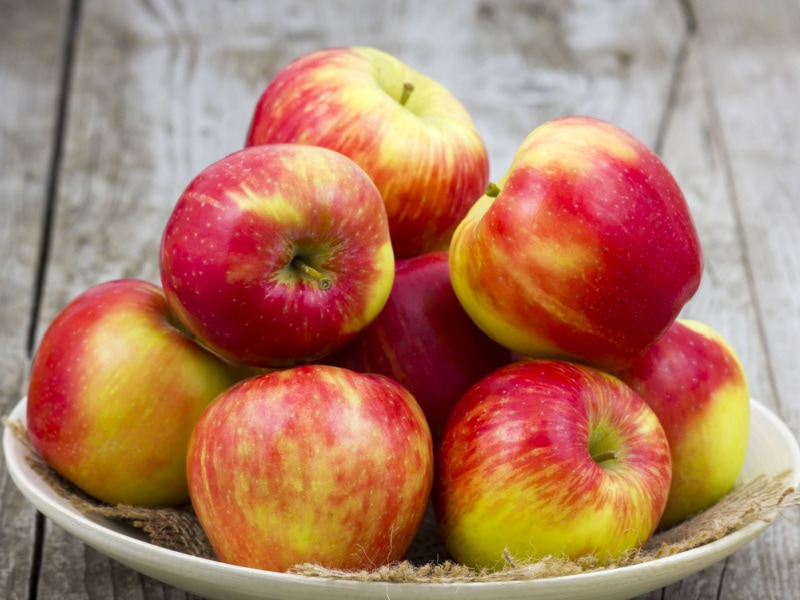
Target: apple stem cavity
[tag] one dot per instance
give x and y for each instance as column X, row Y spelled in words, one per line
column 604, row 456
column 406, row 93
column 492, row 190
column 323, row 282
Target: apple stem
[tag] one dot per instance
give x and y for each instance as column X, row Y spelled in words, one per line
column 323, row 282
column 492, row 190
column 604, row 456
column 406, row 94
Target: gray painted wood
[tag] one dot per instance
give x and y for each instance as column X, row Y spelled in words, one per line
column 32, row 34
column 160, row 89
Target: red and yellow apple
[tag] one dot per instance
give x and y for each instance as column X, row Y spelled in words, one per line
column 584, row 250
column 115, row 391
column 409, row 133
column 547, row 457
column 277, row 255
column 696, row 385
column 311, row 464
column 423, row 339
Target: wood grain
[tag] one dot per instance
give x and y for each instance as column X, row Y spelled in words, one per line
column 752, row 61
column 32, row 35
column 159, row 89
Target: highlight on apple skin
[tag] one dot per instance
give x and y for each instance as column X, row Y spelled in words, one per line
column 115, row 391
column 424, row 340
column 277, row 255
column 412, row 136
column 584, row 250
column 547, row 457
column 311, row 464
column 694, row 382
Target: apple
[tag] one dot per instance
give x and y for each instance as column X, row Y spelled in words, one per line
column 584, row 250
column 547, row 457
column 115, row 390
column 277, row 255
column 311, row 464
column 696, row 385
column 424, row 340
column 412, row 136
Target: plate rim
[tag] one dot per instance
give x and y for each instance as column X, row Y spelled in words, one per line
column 150, row 559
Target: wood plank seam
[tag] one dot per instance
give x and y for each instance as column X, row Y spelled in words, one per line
column 64, row 85
column 718, row 132
column 40, row 269
column 678, row 70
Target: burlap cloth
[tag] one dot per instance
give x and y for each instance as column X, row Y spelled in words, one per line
column 761, row 499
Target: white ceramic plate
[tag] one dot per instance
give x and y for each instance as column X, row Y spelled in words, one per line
column 773, row 449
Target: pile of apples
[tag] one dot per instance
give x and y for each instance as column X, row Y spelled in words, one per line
column 353, row 323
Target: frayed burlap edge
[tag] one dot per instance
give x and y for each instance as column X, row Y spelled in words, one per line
column 761, row 499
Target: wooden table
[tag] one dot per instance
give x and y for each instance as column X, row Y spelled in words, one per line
column 108, row 108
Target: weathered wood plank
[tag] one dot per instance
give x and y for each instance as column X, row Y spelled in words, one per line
column 163, row 89
column 752, row 58
column 31, row 40
column 754, row 79
column 755, row 97
column 694, row 152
